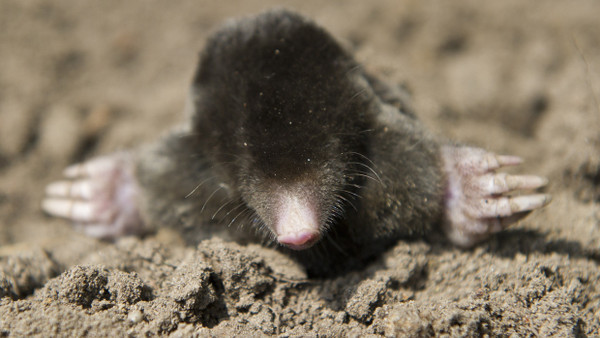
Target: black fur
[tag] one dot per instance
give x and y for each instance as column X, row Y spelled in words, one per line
column 279, row 104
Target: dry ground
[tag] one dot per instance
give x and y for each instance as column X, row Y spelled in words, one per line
column 83, row 78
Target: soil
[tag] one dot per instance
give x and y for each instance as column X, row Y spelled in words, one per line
column 81, row 78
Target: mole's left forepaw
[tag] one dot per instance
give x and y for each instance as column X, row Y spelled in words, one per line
column 476, row 204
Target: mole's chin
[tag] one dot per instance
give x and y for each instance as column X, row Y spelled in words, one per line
column 299, row 241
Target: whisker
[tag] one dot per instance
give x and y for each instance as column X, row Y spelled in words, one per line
column 351, row 193
column 262, row 231
column 267, row 236
column 236, row 207
column 357, row 94
column 358, row 186
column 337, row 212
column 209, row 197
column 253, row 219
column 370, row 169
column 270, row 236
column 367, row 176
column 347, row 201
column 236, row 216
column 416, row 143
column 362, row 155
column 353, row 69
column 198, row 186
column 222, row 206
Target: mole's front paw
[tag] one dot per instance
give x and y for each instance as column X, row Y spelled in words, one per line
column 476, row 204
column 99, row 196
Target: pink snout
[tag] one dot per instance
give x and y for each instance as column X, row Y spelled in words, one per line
column 300, row 240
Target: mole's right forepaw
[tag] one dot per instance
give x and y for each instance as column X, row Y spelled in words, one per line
column 476, row 204
column 99, row 196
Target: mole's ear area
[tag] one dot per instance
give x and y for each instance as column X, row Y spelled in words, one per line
column 477, row 203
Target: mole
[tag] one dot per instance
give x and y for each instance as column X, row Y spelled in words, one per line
column 291, row 143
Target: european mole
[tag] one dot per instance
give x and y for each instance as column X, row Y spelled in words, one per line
column 291, row 142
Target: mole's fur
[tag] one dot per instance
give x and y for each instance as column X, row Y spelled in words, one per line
column 281, row 108
column 290, row 142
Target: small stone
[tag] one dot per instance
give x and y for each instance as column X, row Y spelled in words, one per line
column 135, row 316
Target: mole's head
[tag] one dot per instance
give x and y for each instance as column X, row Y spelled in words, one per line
column 298, row 143
column 280, row 94
column 296, row 169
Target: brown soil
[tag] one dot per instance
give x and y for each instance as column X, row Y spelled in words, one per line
column 82, row 78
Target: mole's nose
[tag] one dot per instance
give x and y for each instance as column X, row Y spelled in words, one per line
column 300, row 240
column 296, row 221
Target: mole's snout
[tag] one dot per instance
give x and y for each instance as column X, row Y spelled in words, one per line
column 300, row 240
column 297, row 222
